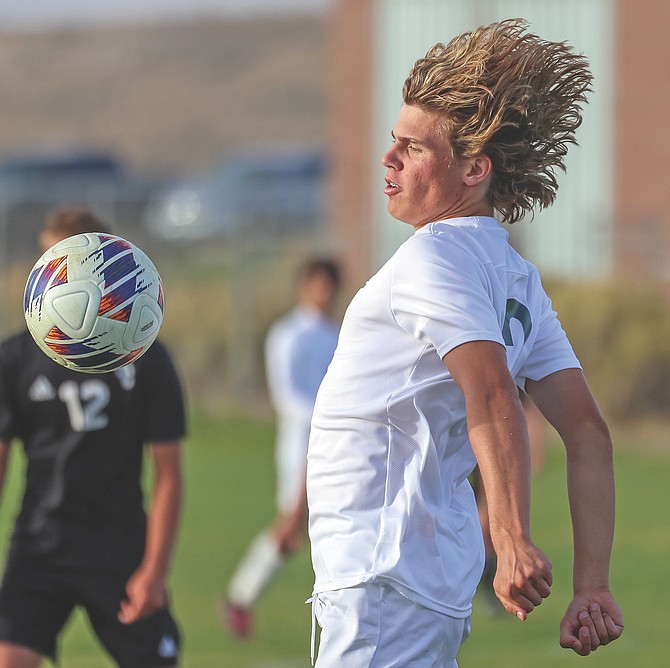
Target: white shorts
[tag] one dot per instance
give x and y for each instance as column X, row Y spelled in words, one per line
column 374, row 626
column 291, row 462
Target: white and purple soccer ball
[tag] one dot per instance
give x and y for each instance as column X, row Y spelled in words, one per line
column 94, row 302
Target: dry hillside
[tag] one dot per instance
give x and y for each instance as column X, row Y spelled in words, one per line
column 174, row 97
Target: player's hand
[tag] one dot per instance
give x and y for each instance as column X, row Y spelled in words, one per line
column 523, row 578
column 591, row 620
column 289, row 531
column 145, row 594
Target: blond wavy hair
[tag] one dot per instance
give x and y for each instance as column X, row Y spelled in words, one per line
column 512, row 96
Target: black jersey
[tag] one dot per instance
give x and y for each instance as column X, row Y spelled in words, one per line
column 83, row 435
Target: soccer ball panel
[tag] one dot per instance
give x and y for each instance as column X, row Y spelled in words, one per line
column 94, row 302
column 144, row 323
column 73, row 307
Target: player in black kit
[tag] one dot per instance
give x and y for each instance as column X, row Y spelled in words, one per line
column 82, row 537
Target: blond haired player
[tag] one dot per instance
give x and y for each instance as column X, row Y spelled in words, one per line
column 424, row 381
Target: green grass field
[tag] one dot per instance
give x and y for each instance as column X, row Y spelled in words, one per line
column 230, row 486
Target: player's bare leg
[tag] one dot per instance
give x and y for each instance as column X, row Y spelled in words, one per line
column 254, row 573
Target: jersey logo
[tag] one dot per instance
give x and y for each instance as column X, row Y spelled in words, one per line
column 41, row 390
column 126, row 376
column 167, row 647
column 517, row 311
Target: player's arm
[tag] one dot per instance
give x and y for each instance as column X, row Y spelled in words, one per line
column 9, row 372
column 593, row 618
column 146, row 588
column 499, row 437
column 289, row 529
column 4, row 460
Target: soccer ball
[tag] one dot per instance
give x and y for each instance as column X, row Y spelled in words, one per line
column 94, row 302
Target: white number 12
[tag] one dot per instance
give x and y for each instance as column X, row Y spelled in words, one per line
column 85, row 404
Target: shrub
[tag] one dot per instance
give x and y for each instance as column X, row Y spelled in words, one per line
column 621, row 333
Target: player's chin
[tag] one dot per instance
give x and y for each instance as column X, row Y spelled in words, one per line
column 400, row 213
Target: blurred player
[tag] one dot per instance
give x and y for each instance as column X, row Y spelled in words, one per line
column 298, row 349
column 82, row 538
column 425, row 380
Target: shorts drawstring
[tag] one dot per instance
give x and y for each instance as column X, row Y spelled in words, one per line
column 312, row 644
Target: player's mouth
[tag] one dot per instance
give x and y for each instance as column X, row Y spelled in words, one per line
column 391, row 187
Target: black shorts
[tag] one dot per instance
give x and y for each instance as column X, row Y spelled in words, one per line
column 35, row 605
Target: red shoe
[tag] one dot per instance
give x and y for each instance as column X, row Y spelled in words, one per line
column 237, row 619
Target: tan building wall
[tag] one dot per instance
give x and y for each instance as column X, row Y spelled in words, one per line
column 349, row 122
column 642, row 112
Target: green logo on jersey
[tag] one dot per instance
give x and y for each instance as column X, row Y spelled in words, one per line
column 518, row 311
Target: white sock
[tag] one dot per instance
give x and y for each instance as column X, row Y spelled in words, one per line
column 256, row 571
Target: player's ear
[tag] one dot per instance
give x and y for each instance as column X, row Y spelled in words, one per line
column 478, row 169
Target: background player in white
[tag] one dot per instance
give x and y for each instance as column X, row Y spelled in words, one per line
column 298, row 348
column 81, row 537
column 424, row 382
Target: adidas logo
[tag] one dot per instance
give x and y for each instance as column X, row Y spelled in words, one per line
column 167, row 647
column 41, row 390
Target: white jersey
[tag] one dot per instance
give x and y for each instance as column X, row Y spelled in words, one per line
column 389, row 453
column 298, row 350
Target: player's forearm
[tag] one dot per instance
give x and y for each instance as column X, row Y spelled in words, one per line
column 591, row 493
column 499, row 438
column 163, row 525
